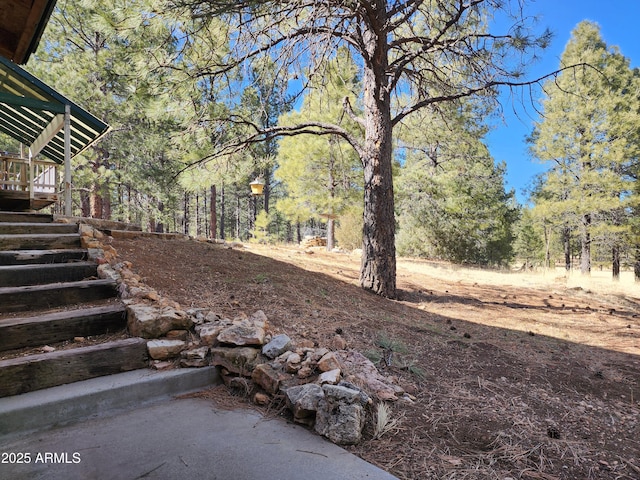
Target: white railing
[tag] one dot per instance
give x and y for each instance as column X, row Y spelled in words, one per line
column 24, row 175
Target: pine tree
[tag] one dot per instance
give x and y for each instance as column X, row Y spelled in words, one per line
column 92, row 52
column 452, row 201
column 587, row 134
column 321, row 174
column 439, row 52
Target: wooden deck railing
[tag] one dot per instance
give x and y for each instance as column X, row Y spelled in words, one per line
column 20, row 174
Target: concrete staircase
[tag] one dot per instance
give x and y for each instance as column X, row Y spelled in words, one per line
column 51, row 293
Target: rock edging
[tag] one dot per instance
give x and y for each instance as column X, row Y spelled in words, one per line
column 330, row 391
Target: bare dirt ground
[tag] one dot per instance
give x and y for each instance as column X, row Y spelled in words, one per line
column 515, row 376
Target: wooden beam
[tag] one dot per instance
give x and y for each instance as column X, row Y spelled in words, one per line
column 35, row 372
column 31, row 27
column 50, row 131
column 26, row 228
column 39, row 274
column 59, row 326
column 41, row 297
column 29, row 257
column 68, row 210
column 39, row 241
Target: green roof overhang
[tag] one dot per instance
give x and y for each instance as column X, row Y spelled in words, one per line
column 33, row 113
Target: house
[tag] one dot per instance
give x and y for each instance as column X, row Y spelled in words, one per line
column 51, row 128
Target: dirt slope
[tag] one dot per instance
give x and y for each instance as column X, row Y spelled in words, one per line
column 514, row 377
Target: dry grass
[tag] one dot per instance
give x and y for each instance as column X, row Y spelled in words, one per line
column 385, row 422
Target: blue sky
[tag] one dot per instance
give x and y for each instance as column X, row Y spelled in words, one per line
column 618, row 20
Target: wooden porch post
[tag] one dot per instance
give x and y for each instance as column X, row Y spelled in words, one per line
column 67, row 160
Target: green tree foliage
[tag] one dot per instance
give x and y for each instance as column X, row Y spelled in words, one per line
column 589, row 136
column 92, row 52
column 529, row 246
column 435, row 52
column 452, row 202
column 321, row 174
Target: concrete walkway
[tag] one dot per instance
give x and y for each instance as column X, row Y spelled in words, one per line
column 181, row 439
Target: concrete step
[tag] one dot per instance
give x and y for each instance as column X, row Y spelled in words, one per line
column 28, row 257
column 41, row 241
column 28, row 228
column 25, row 217
column 36, row 274
column 50, row 328
column 42, row 297
column 66, row 404
column 35, row 372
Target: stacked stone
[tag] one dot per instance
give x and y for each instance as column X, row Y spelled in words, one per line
column 318, row 385
column 97, row 244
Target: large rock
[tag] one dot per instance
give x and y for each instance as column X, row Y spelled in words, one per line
column 332, row 377
column 106, row 271
column 163, row 349
column 277, row 346
column 303, row 401
column 267, row 377
column 358, row 369
column 259, row 318
column 148, row 321
column 240, row 361
column 292, row 363
column 209, row 333
column 244, row 333
column 196, row 357
column 328, row 362
column 340, row 415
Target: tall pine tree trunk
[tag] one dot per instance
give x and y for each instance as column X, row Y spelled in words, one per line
column 95, row 201
column 331, row 234
column 615, row 254
column 198, row 221
column 185, row 225
column 267, row 190
column 547, row 248
column 331, row 185
column 378, row 267
column 222, row 212
column 585, row 244
column 566, row 242
column 106, row 203
column 214, row 214
column 85, row 204
column 160, row 225
column 237, row 214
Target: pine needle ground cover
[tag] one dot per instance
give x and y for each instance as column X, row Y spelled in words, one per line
column 514, row 375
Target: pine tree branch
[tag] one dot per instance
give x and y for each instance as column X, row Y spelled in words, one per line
column 260, row 135
column 468, row 92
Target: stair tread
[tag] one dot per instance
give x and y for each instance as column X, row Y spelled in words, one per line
column 43, row 357
column 55, row 266
column 63, row 315
column 35, row 372
column 51, row 327
column 39, row 235
column 37, row 224
column 40, row 252
column 58, row 285
column 26, row 217
column 51, row 295
column 31, row 257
